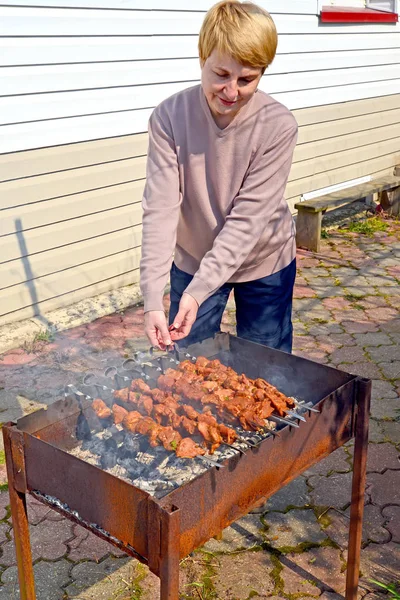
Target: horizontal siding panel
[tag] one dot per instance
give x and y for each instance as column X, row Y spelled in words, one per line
column 18, row 311
column 43, row 79
column 70, row 104
column 75, row 255
column 328, row 129
column 74, row 22
column 288, row 6
column 71, row 156
column 300, row 186
column 337, row 160
column 28, row 136
column 316, row 61
column 50, row 286
column 316, row 124
column 347, row 110
column 52, row 50
column 50, row 237
column 340, row 143
column 71, row 130
column 43, row 187
column 71, row 207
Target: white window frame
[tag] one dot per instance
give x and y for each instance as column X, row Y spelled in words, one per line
column 383, row 5
column 374, row 4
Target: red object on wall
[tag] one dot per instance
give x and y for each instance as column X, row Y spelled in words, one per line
column 347, row 14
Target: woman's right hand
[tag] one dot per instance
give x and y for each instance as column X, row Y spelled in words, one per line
column 156, row 329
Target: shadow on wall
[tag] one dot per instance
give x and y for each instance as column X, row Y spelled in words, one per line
column 29, row 276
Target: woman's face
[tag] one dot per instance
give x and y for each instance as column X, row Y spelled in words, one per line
column 227, row 85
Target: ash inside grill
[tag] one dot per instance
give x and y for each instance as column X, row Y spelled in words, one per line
column 131, row 458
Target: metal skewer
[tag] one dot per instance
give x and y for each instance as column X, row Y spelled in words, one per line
column 295, row 415
column 211, row 461
column 283, row 421
column 305, row 405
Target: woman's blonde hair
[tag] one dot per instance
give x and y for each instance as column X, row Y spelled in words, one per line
column 241, row 29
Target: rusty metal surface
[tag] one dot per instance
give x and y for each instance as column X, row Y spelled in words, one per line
column 93, row 528
column 358, row 487
column 98, row 497
column 13, row 447
column 218, row 497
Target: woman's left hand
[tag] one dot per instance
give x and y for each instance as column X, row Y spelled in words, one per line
column 185, row 318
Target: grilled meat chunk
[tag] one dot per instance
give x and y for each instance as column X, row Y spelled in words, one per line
column 138, row 385
column 101, row 409
column 124, row 394
column 187, row 448
column 119, row 413
column 131, row 419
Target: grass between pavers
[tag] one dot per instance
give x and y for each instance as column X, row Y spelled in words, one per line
column 2, row 457
column 134, row 590
column 203, row 588
column 367, row 226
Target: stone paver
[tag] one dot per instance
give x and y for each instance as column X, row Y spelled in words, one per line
column 385, row 408
column 384, row 488
column 38, row 512
column 382, row 457
column 374, row 527
column 336, row 462
column 391, row 515
column 391, row 370
column 4, row 530
column 244, row 574
column 293, row 528
column 297, row 580
column 87, row 546
column 48, row 541
column 359, row 326
column 347, row 354
column 293, row 494
column 346, row 314
column 244, row 533
column 49, row 580
column 363, row 369
column 320, row 565
column 4, row 502
column 381, row 562
column 332, row 491
column 95, row 581
column 391, row 431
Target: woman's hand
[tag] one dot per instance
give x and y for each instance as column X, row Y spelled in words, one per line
column 185, row 318
column 156, row 329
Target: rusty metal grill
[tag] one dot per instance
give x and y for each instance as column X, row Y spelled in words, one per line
column 160, row 531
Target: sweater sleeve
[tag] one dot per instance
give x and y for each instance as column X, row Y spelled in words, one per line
column 262, row 189
column 161, row 206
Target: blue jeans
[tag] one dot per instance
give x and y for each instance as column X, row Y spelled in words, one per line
column 263, row 308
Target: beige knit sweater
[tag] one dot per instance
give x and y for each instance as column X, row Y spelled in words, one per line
column 213, row 199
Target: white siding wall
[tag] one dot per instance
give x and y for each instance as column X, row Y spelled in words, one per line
column 78, row 81
column 75, row 70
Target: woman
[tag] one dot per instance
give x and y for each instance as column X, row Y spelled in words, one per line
column 218, row 162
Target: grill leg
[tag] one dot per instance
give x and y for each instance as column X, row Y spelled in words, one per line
column 16, row 478
column 169, row 556
column 358, row 487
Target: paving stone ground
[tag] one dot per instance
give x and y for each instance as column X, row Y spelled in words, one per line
column 346, row 315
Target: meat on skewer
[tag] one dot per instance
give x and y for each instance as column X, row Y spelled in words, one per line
column 187, row 448
column 101, row 409
column 119, row 413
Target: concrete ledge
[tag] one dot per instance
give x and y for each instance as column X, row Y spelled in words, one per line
column 16, row 334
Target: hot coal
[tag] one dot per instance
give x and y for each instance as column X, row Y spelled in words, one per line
column 82, row 428
column 130, row 447
column 109, row 460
